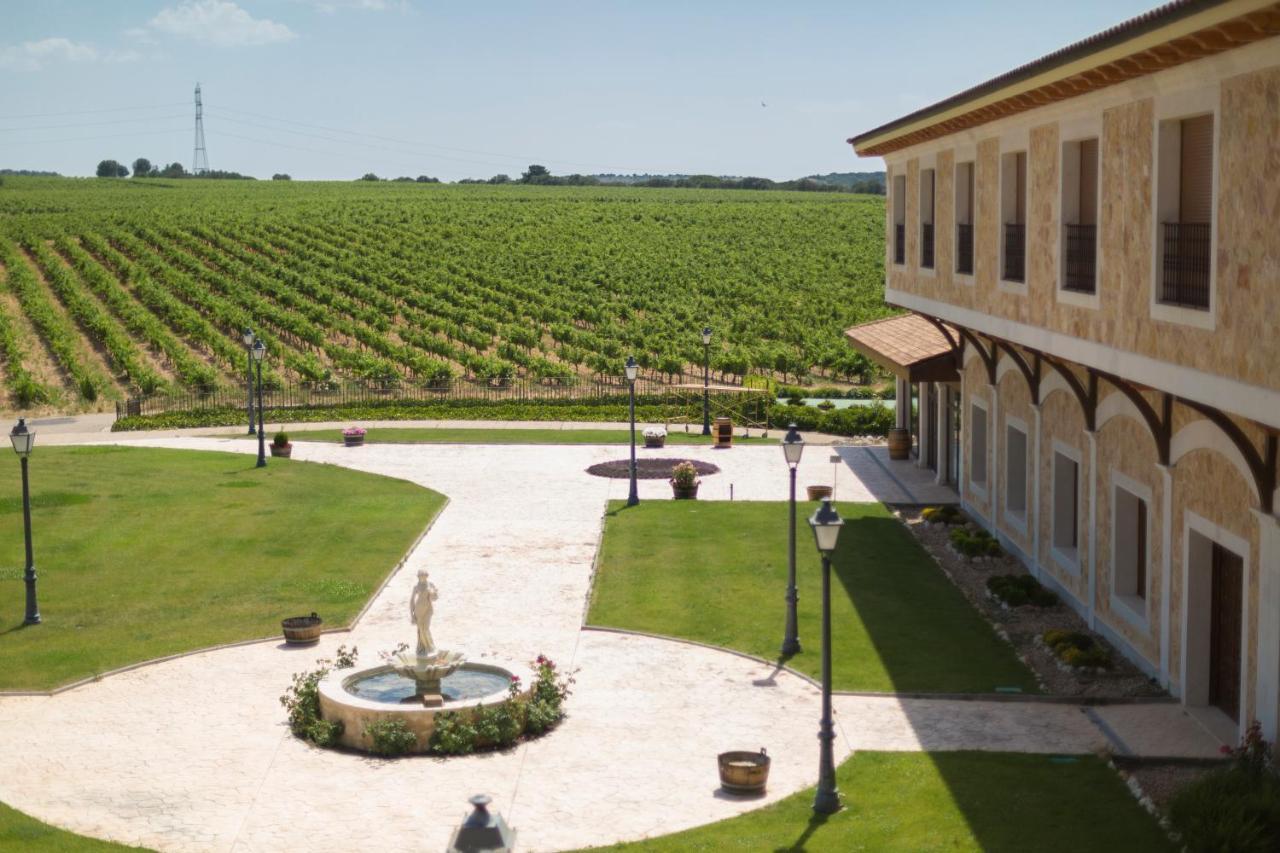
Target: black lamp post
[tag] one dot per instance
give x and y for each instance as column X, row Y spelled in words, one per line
column 632, row 368
column 249, row 338
column 23, row 440
column 260, row 352
column 706, row 389
column 826, row 524
column 792, row 448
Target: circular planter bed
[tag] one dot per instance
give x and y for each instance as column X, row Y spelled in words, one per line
column 648, row 469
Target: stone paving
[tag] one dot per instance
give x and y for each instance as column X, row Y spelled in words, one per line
column 193, row 753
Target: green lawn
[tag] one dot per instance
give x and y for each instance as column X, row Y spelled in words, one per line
column 20, row 833
column 462, row 435
column 945, row 801
column 716, row 572
column 143, row 553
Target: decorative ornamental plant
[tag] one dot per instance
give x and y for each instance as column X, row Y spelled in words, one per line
column 655, row 432
column 281, row 439
column 352, row 432
column 684, row 476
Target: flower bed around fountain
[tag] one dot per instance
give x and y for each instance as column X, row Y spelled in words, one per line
column 648, row 469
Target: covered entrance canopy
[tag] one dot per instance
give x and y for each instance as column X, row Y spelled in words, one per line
column 909, row 346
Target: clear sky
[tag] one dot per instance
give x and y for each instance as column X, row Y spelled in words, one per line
column 331, row 89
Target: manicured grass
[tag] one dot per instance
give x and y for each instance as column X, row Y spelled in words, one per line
column 914, row 801
column 460, row 435
column 716, row 572
column 143, row 553
column 21, row 833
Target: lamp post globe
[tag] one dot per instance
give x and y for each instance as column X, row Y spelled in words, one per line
column 259, row 353
column 706, row 385
column 632, row 369
column 792, row 448
column 248, row 337
column 826, row 524
column 23, row 441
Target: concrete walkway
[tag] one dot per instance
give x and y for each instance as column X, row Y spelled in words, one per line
column 193, row 754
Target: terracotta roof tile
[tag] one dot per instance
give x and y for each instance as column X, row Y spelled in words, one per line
column 903, row 340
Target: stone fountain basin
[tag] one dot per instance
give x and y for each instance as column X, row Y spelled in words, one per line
column 339, row 704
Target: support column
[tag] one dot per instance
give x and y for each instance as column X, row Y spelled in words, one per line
column 922, row 458
column 1166, row 571
column 993, row 460
column 902, row 404
column 1035, row 490
column 940, row 433
column 1268, row 673
column 1093, row 524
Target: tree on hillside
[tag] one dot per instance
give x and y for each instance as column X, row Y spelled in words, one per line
column 500, row 179
column 141, row 167
column 281, row 176
column 173, row 170
column 536, row 175
column 112, row 169
column 424, row 179
column 369, row 176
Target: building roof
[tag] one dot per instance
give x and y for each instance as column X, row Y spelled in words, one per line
column 908, row 345
column 1178, row 32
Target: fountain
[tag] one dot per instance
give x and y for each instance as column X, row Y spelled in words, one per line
column 414, row 688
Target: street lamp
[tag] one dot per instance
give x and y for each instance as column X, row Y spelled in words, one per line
column 260, row 352
column 248, row 366
column 826, row 524
column 632, row 368
column 792, row 448
column 23, row 440
column 706, row 389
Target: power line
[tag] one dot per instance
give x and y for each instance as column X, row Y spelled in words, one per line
column 344, row 156
column 91, row 112
column 95, row 138
column 89, row 123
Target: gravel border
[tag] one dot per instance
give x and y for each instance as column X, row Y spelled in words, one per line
column 1022, row 626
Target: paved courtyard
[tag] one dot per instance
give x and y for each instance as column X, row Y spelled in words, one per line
column 194, row 754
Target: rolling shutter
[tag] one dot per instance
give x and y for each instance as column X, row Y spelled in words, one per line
column 1196, row 198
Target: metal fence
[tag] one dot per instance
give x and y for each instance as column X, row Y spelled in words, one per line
column 926, row 244
column 899, row 244
column 1186, row 265
column 1015, row 251
column 1082, row 244
column 964, row 249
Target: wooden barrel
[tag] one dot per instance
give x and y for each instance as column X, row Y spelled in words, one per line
column 899, row 443
column 302, row 630
column 817, row 493
column 744, row 772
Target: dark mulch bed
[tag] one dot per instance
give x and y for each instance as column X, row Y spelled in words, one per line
column 647, row 469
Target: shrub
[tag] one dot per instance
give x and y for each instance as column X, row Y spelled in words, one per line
column 302, row 700
column 974, row 543
column 281, row 439
column 1075, row 648
column 391, row 737
column 453, row 735
column 947, row 514
column 826, row 405
column 1020, row 590
column 1236, row 808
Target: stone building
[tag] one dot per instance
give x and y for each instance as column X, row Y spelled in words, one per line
column 1089, row 246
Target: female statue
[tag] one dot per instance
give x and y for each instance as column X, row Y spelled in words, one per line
column 421, row 607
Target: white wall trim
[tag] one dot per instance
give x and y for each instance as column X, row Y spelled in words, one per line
column 1166, row 569
column 981, row 491
column 1203, row 434
column 1017, row 519
column 1135, row 609
column 1267, row 706
column 1117, row 404
column 1222, row 392
column 1069, row 560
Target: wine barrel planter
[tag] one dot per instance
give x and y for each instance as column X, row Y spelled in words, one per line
column 353, row 440
column 899, row 443
column 744, row 772
column 302, row 630
column 283, row 451
column 684, row 493
column 817, row 493
column 655, row 441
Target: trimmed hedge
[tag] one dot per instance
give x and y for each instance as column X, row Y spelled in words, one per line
column 855, row 420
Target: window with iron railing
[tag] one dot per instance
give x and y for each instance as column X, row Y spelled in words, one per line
column 899, row 202
column 900, row 244
column 1186, row 264
column 1082, row 260
column 926, row 244
column 1015, row 251
column 964, row 249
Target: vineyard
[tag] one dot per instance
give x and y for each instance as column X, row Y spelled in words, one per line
column 114, row 288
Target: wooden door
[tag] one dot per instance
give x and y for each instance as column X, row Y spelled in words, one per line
column 1226, row 599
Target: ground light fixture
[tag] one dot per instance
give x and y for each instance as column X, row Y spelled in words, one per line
column 826, row 524
column 249, row 338
column 482, row 830
column 259, row 353
column 792, row 449
column 706, row 386
column 633, row 497
column 23, row 441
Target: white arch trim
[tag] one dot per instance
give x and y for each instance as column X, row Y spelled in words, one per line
column 1117, row 404
column 1053, row 381
column 970, row 352
column 1203, row 434
column 1003, row 366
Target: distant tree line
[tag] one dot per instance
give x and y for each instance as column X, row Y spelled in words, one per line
column 142, row 168
column 541, row 175
column 29, row 173
column 403, row 179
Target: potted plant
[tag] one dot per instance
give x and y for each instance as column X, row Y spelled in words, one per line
column 353, row 436
column 684, row 481
column 655, row 437
column 281, row 446
column 817, row 493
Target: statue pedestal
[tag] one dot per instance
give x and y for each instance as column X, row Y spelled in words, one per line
column 432, row 700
